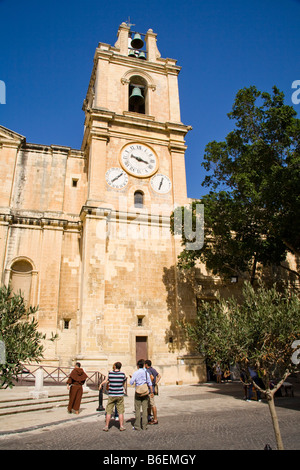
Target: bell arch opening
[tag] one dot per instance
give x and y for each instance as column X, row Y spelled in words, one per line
column 137, row 98
column 139, row 199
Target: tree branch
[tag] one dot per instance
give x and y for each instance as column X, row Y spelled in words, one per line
column 277, row 386
column 291, row 248
column 290, row 270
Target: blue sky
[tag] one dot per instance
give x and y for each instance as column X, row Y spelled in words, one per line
column 47, row 51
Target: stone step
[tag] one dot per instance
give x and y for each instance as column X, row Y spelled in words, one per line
column 25, row 400
column 24, row 405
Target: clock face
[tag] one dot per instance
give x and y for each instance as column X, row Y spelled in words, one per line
column 139, row 160
column 116, row 178
column 161, row 183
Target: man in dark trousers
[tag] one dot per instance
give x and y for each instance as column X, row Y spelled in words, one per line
column 139, row 378
column 155, row 378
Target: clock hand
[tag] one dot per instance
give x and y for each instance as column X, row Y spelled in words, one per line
column 139, row 159
column 114, row 179
column 161, row 182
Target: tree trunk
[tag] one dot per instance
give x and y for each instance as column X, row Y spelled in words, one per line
column 253, row 271
column 270, row 399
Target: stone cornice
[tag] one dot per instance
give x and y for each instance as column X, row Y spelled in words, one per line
column 139, row 215
column 10, row 138
column 112, row 54
column 40, row 222
column 164, row 66
column 133, row 119
column 94, row 211
column 52, row 149
column 171, row 134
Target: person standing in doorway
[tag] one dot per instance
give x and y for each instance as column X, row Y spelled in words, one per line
column 75, row 382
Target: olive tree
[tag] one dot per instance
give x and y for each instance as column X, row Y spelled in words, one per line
column 260, row 332
column 19, row 336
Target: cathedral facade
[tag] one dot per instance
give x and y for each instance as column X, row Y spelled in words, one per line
column 85, row 234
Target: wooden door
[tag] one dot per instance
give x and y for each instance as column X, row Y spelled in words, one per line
column 141, row 348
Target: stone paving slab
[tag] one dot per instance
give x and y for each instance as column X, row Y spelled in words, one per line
column 170, row 401
column 200, row 416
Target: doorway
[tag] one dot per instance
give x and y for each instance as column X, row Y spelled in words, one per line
column 141, row 347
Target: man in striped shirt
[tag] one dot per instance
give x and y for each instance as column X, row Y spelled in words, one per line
column 116, row 380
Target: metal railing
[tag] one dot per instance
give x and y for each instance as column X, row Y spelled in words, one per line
column 56, row 375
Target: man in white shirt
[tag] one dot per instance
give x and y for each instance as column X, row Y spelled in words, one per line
column 141, row 377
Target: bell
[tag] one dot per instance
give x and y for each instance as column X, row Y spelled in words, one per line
column 142, row 55
column 132, row 53
column 137, row 42
column 136, row 96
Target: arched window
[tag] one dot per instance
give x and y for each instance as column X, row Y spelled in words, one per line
column 137, row 95
column 21, row 278
column 138, row 199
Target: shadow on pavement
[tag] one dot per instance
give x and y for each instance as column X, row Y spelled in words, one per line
column 235, row 390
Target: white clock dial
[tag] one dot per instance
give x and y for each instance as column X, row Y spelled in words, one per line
column 116, row 178
column 139, row 160
column 161, row 183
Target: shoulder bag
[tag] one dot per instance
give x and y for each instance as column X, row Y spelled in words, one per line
column 142, row 390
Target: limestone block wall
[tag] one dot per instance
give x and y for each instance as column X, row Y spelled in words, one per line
column 104, row 151
column 162, row 99
column 40, row 223
column 7, row 169
column 130, row 290
column 44, row 180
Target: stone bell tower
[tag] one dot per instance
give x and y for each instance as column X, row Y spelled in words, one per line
column 134, row 148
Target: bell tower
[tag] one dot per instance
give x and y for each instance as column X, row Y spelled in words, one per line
column 134, row 148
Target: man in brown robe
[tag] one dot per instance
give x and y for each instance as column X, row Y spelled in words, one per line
column 75, row 381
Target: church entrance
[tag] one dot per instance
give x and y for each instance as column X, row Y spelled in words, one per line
column 141, row 347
